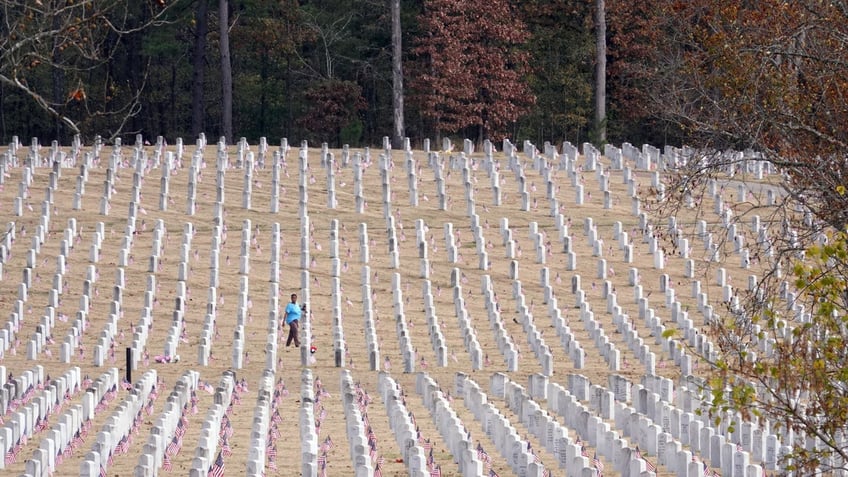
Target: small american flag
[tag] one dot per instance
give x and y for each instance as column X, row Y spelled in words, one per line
column 322, row 465
column 78, row 439
column 436, row 471
column 372, row 451
column 327, row 445
column 225, row 448
column 597, row 463
column 217, row 469
column 166, row 463
column 650, row 466
column 123, row 445
column 175, row 446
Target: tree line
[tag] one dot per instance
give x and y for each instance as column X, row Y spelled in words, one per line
column 311, row 69
column 659, row 71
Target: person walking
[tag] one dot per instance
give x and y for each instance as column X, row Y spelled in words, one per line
column 293, row 312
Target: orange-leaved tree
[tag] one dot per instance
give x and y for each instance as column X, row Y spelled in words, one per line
column 469, row 72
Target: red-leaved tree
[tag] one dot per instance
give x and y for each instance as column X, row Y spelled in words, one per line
column 468, row 70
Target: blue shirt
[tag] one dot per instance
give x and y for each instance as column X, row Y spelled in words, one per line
column 292, row 312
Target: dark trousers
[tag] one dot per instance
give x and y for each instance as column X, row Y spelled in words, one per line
column 293, row 334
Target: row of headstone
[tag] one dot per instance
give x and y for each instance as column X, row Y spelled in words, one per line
column 207, row 335
column 261, row 421
column 207, row 444
column 467, row 329
column 106, row 340
column 141, row 330
column 589, row 428
column 659, row 426
column 275, row 321
column 407, row 351
column 305, row 329
column 44, row 330
column 392, row 238
column 403, row 427
column 243, row 302
column 118, row 426
column 554, row 437
column 411, row 167
column 247, row 189
column 277, row 164
column 437, row 163
column 534, row 337
column 176, row 328
column 6, row 243
column 308, row 433
column 610, row 353
column 355, row 429
column 434, row 327
column 360, row 163
column 69, row 424
column 306, row 232
column 372, row 343
column 339, row 346
column 40, row 409
column 14, row 390
column 449, row 425
column 166, row 424
column 759, row 442
column 503, row 340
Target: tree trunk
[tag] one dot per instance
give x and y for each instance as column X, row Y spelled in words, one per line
column 57, row 77
column 600, row 71
column 263, row 95
column 172, row 113
column 226, row 71
column 397, row 77
column 198, row 108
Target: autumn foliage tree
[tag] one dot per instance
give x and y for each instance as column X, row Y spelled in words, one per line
column 644, row 38
column 770, row 78
column 468, row 71
column 69, row 41
column 333, row 114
